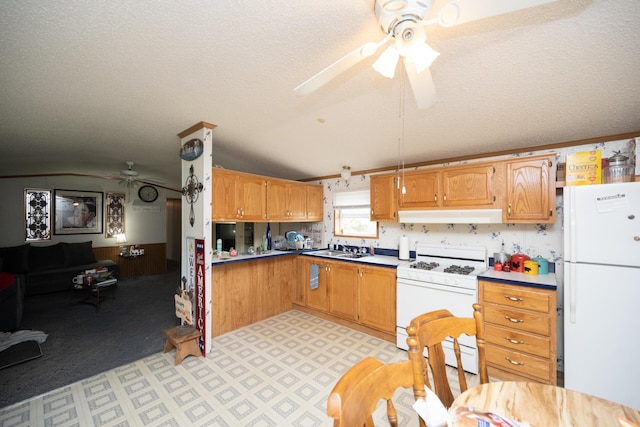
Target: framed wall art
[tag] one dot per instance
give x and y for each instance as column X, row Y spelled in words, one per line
column 78, row 212
column 37, row 209
column 114, row 204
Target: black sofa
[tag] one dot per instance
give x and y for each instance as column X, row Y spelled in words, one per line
column 42, row 269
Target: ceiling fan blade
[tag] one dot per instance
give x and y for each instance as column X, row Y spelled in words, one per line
column 422, row 85
column 461, row 11
column 338, row 67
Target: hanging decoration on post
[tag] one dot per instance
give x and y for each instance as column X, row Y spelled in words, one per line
column 184, row 307
column 191, row 191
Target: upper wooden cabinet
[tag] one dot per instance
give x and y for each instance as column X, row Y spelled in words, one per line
column 530, row 190
column 467, row 186
column 420, row 190
column 470, row 186
column 238, row 196
column 383, row 198
column 286, row 200
column 315, row 202
column 524, row 188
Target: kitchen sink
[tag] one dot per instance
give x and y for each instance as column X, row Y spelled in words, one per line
column 338, row 254
column 329, row 253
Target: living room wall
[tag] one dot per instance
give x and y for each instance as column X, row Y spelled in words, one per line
column 145, row 223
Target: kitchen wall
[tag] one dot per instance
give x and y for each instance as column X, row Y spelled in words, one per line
column 144, row 222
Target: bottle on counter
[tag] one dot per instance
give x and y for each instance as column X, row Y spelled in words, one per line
column 269, row 240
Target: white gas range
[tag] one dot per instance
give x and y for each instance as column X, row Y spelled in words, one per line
column 441, row 277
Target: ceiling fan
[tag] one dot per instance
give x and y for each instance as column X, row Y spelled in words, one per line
column 404, row 21
column 130, row 178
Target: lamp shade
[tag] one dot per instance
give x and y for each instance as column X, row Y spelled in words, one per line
column 121, row 238
column 386, row 63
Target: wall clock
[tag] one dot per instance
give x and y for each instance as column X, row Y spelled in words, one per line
column 147, row 193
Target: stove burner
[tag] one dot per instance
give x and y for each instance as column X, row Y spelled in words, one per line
column 456, row 269
column 422, row 265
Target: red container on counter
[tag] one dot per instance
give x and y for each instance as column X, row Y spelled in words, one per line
column 517, row 262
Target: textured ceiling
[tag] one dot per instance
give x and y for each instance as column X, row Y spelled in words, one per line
column 86, row 85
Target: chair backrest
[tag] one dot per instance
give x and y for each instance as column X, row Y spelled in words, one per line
column 357, row 392
column 429, row 330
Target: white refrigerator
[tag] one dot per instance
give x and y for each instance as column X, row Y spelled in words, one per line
column 602, row 291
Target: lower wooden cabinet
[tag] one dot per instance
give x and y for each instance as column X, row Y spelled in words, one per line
column 520, row 331
column 365, row 295
column 377, row 299
column 247, row 292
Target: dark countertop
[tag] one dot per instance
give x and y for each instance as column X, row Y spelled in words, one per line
column 545, row 281
column 375, row 260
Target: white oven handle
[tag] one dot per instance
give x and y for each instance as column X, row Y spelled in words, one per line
column 435, row 286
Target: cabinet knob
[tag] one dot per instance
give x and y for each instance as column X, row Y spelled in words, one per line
column 435, row 197
column 509, row 209
column 512, row 341
column 515, row 299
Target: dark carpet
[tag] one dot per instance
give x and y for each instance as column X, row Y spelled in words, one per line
column 83, row 342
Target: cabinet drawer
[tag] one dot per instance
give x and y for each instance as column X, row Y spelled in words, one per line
column 519, row 297
column 519, row 363
column 517, row 341
column 518, row 319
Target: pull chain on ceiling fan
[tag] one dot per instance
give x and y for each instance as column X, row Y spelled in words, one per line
column 405, row 22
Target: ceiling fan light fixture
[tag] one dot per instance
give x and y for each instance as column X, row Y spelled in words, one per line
column 386, row 63
column 423, row 57
column 395, row 5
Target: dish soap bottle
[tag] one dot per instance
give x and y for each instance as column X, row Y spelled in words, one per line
column 264, row 242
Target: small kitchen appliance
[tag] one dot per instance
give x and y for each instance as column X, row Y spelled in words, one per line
column 441, row 277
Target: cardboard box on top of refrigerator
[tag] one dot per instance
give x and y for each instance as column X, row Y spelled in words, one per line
column 584, row 168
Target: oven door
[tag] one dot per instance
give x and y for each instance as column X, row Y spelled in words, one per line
column 415, row 298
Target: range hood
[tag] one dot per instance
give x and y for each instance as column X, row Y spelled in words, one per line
column 459, row 216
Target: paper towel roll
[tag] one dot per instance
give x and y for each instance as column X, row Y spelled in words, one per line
column 403, row 252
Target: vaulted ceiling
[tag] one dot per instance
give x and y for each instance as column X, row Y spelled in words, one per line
column 87, row 85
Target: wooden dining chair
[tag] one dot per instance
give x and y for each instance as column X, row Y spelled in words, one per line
column 356, row 394
column 430, row 330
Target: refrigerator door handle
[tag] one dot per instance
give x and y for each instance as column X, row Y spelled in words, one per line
column 571, row 275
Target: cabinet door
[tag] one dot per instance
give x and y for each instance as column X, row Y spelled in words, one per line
column 469, row 186
column 277, row 199
column 420, row 190
column 252, row 198
column 315, row 202
column 383, row 198
column 296, row 202
column 343, row 290
column 317, row 298
column 286, row 201
column 377, row 298
column 223, row 203
column 530, row 194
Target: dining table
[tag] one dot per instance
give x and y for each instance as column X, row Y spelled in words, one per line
column 538, row 405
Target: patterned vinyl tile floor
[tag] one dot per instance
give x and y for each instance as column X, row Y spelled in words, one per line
column 277, row 372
